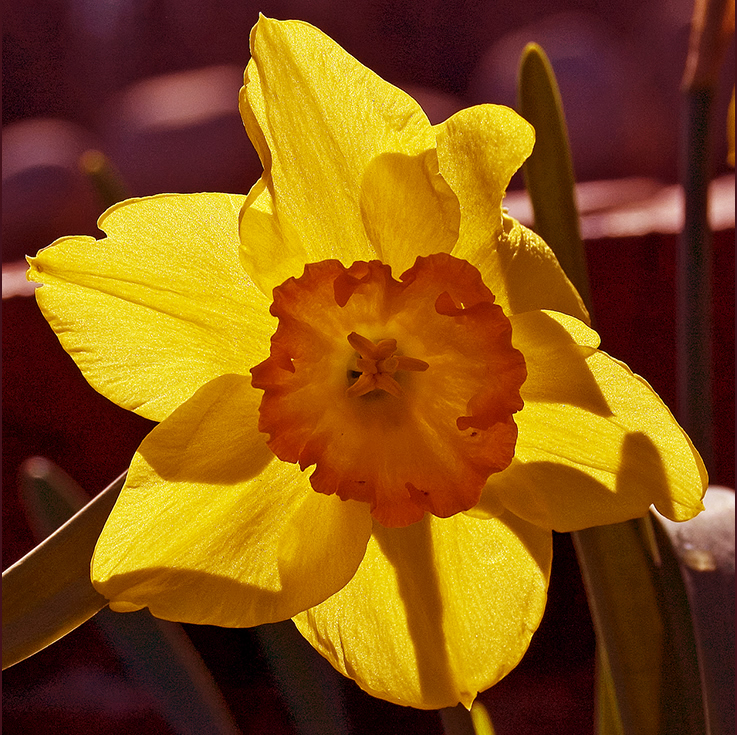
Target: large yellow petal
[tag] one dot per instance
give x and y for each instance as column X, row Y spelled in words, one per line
column 529, row 275
column 596, row 445
column 479, row 149
column 318, row 118
column 271, row 251
column 408, row 209
column 437, row 611
column 210, row 528
column 161, row 305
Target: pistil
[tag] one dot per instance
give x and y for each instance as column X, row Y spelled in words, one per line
column 377, row 364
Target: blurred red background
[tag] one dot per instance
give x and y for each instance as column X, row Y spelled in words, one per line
column 154, row 85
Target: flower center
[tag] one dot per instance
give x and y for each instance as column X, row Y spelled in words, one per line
column 400, row 393
column 377, row 365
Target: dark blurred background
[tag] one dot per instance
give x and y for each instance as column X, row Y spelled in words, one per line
column 154, row 84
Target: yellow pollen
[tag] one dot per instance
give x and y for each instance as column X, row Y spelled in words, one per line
column 378, row 364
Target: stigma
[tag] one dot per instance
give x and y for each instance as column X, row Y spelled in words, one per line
column 377, row 365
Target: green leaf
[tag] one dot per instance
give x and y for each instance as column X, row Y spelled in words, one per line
column 457, row 721
column 481, row 720
column 50, row 496
column 704, row 548
column 48, row 593
column 548, row 171
column 309, row 686
column 643, row 627
column 104, row 177
column 460, row 721
column 156, row 653
column 608, row 721
column 648, row 680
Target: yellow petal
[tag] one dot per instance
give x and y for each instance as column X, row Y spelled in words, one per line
column 318, row 118
column 596, row 445
column 529, row 274
column 159, row 307
column 210, row 528
column 271, row 251
column 479, row 149
column 437, row 611
column 408, row 209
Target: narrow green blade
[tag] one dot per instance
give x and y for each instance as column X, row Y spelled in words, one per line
column 481, row 720
column 457, row 721
column 704, row 548
column 104, row 177
column 549, row 170
column 48, row 592
column 460, row 721
column 309, row 686
column 608, row 720
column 156, row 653
column 648, row 661
column 49, row 495
column 647, row 668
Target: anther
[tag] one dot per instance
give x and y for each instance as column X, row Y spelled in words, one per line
column 377, row 364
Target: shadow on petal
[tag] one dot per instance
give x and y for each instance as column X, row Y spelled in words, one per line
column 641, row 471
column 557, row 369
column 541, row 555
column 191, row 596
column 213, row 438
column 564, row 498
column 410, row 551
column 408, row 209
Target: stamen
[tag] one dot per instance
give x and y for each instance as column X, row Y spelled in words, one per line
column 378, row 364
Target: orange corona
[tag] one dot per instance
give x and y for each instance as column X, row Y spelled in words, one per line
column 401, row 393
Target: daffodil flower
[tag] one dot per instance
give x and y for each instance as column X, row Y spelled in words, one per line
column 377, row 393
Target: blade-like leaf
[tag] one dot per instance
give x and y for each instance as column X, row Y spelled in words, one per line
column 643, row 627
column 104, row 177
column 49, row 495
column 48, row 592
column 310, row 687
column 648, row 678
column 704, row 548
column 457, row 721
column 481, row 720
column 156, row 653
column 548, row 171
column 608, row 720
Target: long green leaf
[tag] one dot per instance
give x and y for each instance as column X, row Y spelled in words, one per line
column 50, row 497
column 704, row 548
column 548, row 171
column 156, row 653
column 48, row 592
column 457, row 721
column 643, row 627
column 648, row 677
column 608, row 719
